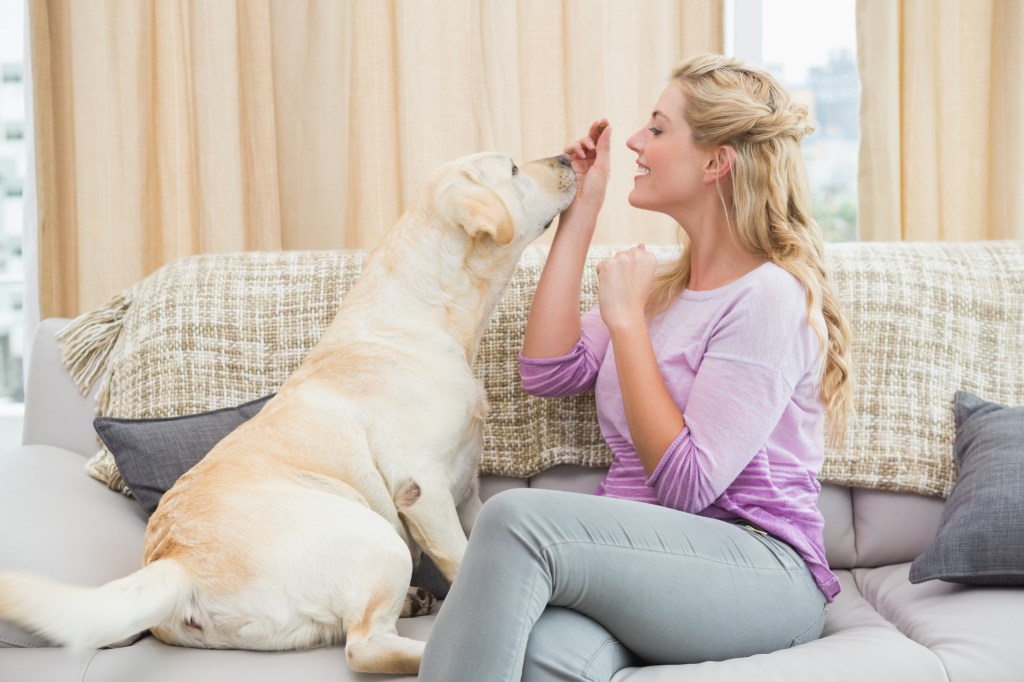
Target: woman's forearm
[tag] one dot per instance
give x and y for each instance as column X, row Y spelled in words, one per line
column 553, row 324
column 653, row 417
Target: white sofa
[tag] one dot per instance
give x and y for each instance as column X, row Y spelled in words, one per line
column 56, row 520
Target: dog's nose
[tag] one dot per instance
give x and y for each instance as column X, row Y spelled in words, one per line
column 564, row 160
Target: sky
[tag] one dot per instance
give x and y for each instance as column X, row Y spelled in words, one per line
column 802, row 33
column 12, row 27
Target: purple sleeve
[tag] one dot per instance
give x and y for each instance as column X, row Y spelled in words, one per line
column 576, row 371
column 677, row 481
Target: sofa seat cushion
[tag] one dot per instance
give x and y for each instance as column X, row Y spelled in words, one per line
column 857, row 644
column 975, row 631
column 60, row 523
column 153, row 661
column 44, row 664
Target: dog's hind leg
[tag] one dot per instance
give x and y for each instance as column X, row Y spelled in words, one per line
column 418, row 602
column 432, row 520
column 373, row 645
column 372, row 594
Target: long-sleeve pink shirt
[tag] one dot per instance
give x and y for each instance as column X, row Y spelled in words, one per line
column 742, row 364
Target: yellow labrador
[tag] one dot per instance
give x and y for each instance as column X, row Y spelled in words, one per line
column 300, row 528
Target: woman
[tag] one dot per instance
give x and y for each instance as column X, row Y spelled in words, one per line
column 713, row 378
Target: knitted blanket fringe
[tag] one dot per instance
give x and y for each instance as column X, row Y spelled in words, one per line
column 87, row 342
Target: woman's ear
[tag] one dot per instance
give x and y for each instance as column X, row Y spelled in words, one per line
column 719, row 164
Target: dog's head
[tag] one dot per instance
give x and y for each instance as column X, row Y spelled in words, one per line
column 495, row 202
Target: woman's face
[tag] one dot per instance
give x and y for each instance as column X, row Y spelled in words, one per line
column 670, row 167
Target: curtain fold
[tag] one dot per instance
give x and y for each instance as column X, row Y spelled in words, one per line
column 942, row 149
column 167, row 128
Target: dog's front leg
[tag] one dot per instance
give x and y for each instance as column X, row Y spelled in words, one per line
column 434, row 524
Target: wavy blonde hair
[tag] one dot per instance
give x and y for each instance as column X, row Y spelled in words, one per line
column 731, row 104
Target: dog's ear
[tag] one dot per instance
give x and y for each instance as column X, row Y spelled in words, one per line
column 476, row 208
column 481, row 211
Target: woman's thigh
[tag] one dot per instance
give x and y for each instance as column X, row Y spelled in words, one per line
column 671, row 587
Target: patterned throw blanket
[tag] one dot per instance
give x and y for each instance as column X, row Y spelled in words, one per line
column 928, row 319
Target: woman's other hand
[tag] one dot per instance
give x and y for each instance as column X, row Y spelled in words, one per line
column 624, row 284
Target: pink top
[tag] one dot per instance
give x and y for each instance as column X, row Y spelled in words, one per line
column 741, row 362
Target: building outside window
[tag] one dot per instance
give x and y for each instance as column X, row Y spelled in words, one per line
column 12, row 181
column 812, row 48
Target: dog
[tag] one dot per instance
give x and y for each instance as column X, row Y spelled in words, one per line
column 300, row 529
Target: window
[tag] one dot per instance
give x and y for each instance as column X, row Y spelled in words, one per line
column 811, row 48
column 12, row 177
column 15, row 131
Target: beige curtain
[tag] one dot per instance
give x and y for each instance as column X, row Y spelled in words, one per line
column 171, row 127
column 942, row 129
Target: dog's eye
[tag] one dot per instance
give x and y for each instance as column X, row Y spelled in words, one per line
column 515, row 169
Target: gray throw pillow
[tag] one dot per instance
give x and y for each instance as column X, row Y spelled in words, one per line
column 980, row 540
column 152, row 454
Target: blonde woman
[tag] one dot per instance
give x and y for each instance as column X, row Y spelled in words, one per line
column 716, row 379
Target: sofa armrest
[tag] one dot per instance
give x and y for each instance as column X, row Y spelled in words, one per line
column 55, row 412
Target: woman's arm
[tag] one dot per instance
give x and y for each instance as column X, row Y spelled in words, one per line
column 654, row 419
column 553, row 323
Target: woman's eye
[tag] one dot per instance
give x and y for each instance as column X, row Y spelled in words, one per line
column 515, row 169
column 655, row 131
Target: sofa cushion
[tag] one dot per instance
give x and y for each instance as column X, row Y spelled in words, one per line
column 153, row 453
column 836, row 505
column 60, row 523
column 979, row 540
column 974, row 631
column 153, row 661
column 892, row 528
column 45, row 664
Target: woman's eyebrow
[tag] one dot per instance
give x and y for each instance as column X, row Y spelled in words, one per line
column 656, row 114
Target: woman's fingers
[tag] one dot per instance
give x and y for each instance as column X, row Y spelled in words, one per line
column 596, row 128
column 586, row 147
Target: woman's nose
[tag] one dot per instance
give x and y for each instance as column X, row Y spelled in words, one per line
column 636, row 141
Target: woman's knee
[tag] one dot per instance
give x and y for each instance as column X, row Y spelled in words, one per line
column 516, row 518
column 510, row 509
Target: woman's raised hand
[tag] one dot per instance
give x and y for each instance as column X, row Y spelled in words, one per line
column 590, row 159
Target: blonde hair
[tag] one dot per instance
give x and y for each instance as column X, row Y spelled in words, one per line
column 729, row 103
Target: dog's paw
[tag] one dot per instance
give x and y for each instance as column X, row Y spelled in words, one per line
column 418, row 602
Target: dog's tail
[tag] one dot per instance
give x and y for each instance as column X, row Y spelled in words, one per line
column 92, row 617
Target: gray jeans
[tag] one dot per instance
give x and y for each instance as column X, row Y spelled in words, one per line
column 563, row 586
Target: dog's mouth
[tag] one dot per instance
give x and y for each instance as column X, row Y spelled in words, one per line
column 562, row 185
